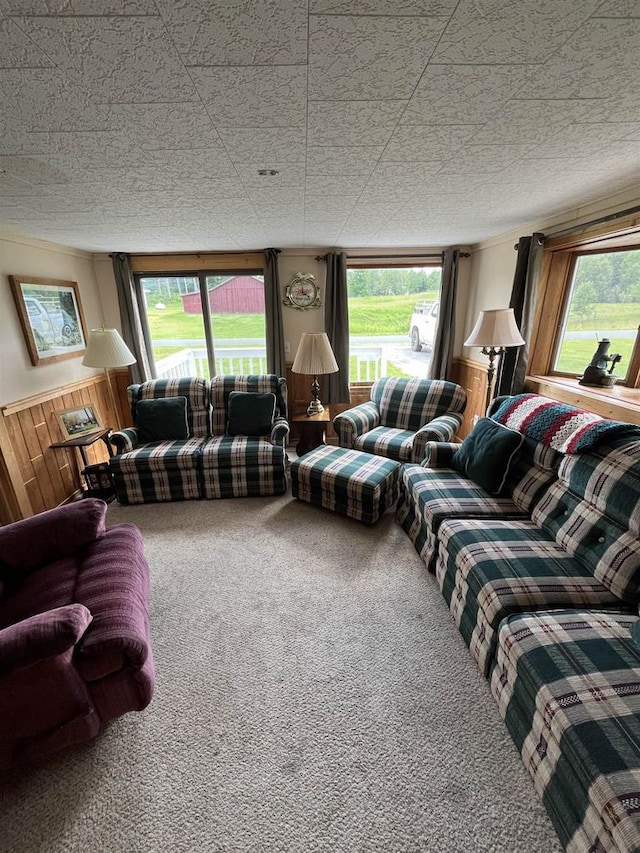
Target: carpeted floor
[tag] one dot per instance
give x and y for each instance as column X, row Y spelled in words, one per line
column 312, row 695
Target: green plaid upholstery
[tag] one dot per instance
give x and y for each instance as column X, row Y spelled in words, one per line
column 349, row 482
column 437, row 454
column 567, row 684
column 427, row 497
column 488, row 569
column 401, row 417
column 205, row 465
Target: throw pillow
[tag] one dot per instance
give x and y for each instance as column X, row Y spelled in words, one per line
column 250, row 413
column 635, row 633
column 487, row 454
column 164, row 419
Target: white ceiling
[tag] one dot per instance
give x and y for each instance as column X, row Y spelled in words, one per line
column 140, row 125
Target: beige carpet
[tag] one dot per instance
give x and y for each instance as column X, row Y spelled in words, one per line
column 312, row 695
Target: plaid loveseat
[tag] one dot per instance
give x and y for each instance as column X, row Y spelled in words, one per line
column 208, row 463
column 401, row 417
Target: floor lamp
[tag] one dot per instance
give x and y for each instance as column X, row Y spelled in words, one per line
column 106, row 349
column 494, row 331
column 314, row 357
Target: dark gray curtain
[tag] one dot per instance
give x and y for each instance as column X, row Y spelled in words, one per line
column 273, row 314
column 442, row 355
column 513, row 365
column 336, row 320
column 135, row 329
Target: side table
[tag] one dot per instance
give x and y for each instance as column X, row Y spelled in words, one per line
column 312, row 430
column 97, row 477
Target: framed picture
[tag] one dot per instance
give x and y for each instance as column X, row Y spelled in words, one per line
column 80, row 420
column 51, row 317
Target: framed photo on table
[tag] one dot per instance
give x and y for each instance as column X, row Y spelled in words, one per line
column 78, row 421
column 51, row 318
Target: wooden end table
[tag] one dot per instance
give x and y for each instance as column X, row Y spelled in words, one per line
column 81, row 442
column 312, row 430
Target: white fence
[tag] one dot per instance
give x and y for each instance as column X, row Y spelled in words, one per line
column 371, row 362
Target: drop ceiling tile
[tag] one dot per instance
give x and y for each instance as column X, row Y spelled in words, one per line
column 39, row 99
column 328, row 206
column 80, row 7
column 437, row 143
column 269, row 96
column 369, row 58
column 503, row 31
column 417, row 8
column 35, row 170
column 583, row 141
column 200, row 162
column 352, row 122
column 17, row 50
column 265, row 144
column 484, row 159
column 595, row 63
column 245, row 32
column 278, row 203
column 529, row 120
column 116, row 59
column 335, row 160
column 335, row 184
column 154, row 126
column 405, row 173
column 618, row 9
column 289, row 175
column 463, row 94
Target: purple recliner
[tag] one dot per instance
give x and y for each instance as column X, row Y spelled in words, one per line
column 75, row 648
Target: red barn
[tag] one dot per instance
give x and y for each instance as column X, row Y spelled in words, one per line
column 240, row 294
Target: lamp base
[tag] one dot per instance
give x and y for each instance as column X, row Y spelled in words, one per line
column 315, row 407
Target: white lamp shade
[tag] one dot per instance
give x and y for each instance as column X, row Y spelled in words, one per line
column 314, row 355
column 107, row 349
column 495, row 328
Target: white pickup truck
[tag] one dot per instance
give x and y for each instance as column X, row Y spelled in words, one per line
column 422, row 329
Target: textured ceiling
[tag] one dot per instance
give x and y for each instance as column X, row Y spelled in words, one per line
column 140, row 125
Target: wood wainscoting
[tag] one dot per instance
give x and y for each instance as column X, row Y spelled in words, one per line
column 33, row 476
column 473, row 378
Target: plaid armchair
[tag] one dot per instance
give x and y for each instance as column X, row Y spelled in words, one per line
column 208, row 463
column 401, row 417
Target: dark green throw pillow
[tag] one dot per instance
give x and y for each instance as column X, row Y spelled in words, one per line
column 250, row 413
column 635, row 633
column 164, row 419
column 487, row 454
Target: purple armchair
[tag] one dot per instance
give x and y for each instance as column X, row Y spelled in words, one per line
column 75, row 648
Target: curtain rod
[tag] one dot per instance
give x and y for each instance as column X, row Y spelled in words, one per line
column 600, row 221
column 438, row 256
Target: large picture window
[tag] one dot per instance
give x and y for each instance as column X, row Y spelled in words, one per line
column 393, row 313
column 206, row 323
column 602, row 301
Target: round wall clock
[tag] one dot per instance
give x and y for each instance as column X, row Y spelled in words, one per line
column 302, row 292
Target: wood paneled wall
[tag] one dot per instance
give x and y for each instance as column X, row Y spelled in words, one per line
column 299, row 388
column 473, row 378
column 33, row 475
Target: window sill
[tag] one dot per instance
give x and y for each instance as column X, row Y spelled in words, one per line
column 618, row 403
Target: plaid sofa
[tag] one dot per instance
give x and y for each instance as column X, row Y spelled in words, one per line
column 209, row 463
column 401, row 417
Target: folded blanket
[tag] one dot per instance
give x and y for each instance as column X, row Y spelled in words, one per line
column 558, row 425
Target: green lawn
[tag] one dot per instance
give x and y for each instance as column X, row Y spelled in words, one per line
column 576, row 355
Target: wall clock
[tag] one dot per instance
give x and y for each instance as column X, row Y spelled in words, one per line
column 302, row 292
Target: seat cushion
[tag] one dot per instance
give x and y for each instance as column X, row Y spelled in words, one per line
column 160, row 456
column 490, row 569
column 241, row 451
column 567, row 684
column 385, row 441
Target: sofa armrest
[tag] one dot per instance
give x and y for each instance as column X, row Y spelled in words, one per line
column 42, row 636
column 442, row 428
column 356, row 421
column 438, row 454
column 280, row 431
column 51, row 535
column 124, row 440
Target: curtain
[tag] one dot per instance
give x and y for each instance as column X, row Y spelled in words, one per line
column 442, row 355
column 513, row 364
column 273, row 314
column 135, row 329
column 336, row 320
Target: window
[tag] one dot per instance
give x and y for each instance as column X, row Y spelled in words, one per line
column 603, row 301
column 206, row 323
column 393, row 314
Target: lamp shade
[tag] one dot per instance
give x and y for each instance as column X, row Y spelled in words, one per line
column 107, row 349
column 314, row 355
column 495, row 328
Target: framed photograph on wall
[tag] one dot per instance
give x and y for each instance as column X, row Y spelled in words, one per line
column 51, row 317
column 80, row 420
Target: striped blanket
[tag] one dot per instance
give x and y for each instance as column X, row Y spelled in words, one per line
column 558, row 425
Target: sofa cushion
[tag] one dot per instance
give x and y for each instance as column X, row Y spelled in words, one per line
column 164, row 419
column 396, row 444
column 487, row 454
column 42, row 635
column 408, row 404
column 250, row 413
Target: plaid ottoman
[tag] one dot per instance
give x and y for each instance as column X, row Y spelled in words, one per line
column 351, row 482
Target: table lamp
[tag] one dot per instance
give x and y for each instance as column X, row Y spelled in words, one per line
column 313, row 357
column 106, row 349
column 494, row 331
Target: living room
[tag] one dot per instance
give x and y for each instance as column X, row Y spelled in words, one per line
column 99, row 157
